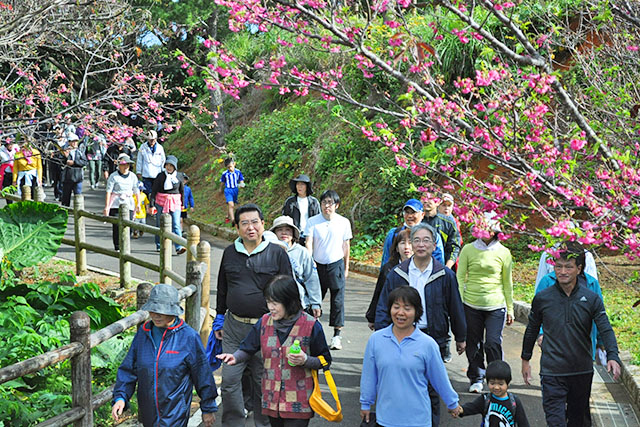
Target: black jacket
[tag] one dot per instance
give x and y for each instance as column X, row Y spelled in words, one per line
column 242, row 278
column 567, row 320
column 291, row 209
column 73, row 173
column 442, row 298
column 110, row 157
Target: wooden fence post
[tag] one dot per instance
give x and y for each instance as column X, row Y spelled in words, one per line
column 78, row 225
column 192, row 305
column 204, row 255
column 39, row 196
column 165, row 247
column 26, row 192
column 80, row 326
column 125, row 246
column 142, row 294
column 193, row 238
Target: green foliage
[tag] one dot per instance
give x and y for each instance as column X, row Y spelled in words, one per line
column 33, row 320
column 31, row 232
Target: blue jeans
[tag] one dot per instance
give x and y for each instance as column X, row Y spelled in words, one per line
column 175, row 225
column 479, row 321
column 67, row 188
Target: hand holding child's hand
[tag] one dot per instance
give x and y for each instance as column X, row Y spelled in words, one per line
column 456, row 412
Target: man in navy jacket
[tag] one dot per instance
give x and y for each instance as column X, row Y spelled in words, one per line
column 438, row 288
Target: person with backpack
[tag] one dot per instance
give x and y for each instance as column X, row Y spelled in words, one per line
column 499, row 407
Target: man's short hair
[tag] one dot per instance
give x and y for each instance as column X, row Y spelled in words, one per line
column 498, row 370
column 424, row 226
column 408, row 295
column 249, row 207
column 572, row 250
column 330, row 194
column 228, row 161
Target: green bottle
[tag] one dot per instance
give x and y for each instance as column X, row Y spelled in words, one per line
column 294, row 349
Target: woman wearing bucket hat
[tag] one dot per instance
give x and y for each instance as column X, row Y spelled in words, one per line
column 301, row 206
column 167, row 194
column 122, row 185
column 166, row 359
column 302, row 265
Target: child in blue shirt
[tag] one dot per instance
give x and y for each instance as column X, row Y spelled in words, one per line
column 499, row 407
column 231, row 180
column 188, row 199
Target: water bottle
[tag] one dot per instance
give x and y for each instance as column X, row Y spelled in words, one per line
column 294, row 349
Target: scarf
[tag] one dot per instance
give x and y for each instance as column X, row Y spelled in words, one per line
column 283, row 326
column 170, row 179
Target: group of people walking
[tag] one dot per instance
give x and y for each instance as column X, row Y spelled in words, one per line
column 271, row 285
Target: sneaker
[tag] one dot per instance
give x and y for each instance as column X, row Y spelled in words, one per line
column 447, row 359
column 181, row 251
column 476, row 387
column 227, row 220
column 336, row 343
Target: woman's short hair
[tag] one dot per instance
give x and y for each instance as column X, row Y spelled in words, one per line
column 394, row 256
column 284, row 290
column 407, row 295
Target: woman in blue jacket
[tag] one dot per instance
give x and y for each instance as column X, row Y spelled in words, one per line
column 166, row 359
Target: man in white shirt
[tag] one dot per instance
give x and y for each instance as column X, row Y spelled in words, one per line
column 328, row 236
column 151, row 159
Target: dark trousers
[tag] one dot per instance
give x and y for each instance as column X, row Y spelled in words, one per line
column 433, row 394
column 116, row 228
column 565, row 400
column 148, row 183
column 484, row 337
column 332, row 279
column 67, row 189
column 288, row 422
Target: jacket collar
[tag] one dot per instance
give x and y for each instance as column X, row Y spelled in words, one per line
column 403, row 270
column 239, row 246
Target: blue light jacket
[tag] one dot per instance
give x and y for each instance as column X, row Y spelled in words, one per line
column 166, row 375
column 438, row 252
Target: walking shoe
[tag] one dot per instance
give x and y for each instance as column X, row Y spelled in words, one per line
column 336, row 343
column 447, row 359
column 140, row 233
column 476, row 387
column 227, row 220
column 181, row 251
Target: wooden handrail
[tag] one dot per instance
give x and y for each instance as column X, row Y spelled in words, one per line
column 37, row 363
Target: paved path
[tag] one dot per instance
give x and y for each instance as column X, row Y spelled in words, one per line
column 609, row 401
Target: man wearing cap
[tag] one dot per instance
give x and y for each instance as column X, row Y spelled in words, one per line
column 122, row 185
column 246, row 267
column 165, row 380
column 304, row 270
column 72, row 170
column 413, row 212
column 302, row 205
column 150, row 160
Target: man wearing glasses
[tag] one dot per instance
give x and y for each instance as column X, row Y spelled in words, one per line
column 245, row 269
column 328, row 236
column 438, row 289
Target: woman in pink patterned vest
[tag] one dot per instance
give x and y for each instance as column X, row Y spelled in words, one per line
column 287, row 382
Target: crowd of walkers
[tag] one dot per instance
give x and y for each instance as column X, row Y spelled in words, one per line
column 272, row 283
column 270, row 292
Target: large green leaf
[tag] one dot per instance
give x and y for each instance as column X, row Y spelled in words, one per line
column 31, row 232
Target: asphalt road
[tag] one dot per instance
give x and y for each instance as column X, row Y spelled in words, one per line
column 347, row 363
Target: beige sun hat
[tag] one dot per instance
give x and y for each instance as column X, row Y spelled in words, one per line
column 284, row 220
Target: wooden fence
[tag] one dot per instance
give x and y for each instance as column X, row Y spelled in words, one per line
column 195, row 289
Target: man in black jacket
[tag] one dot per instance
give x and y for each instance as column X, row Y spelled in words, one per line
column 567, row 311
column 246, row 267
column 72, row 170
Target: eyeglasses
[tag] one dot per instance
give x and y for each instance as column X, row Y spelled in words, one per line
column 246, row 223
column 424, row 241
column 327, row 203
